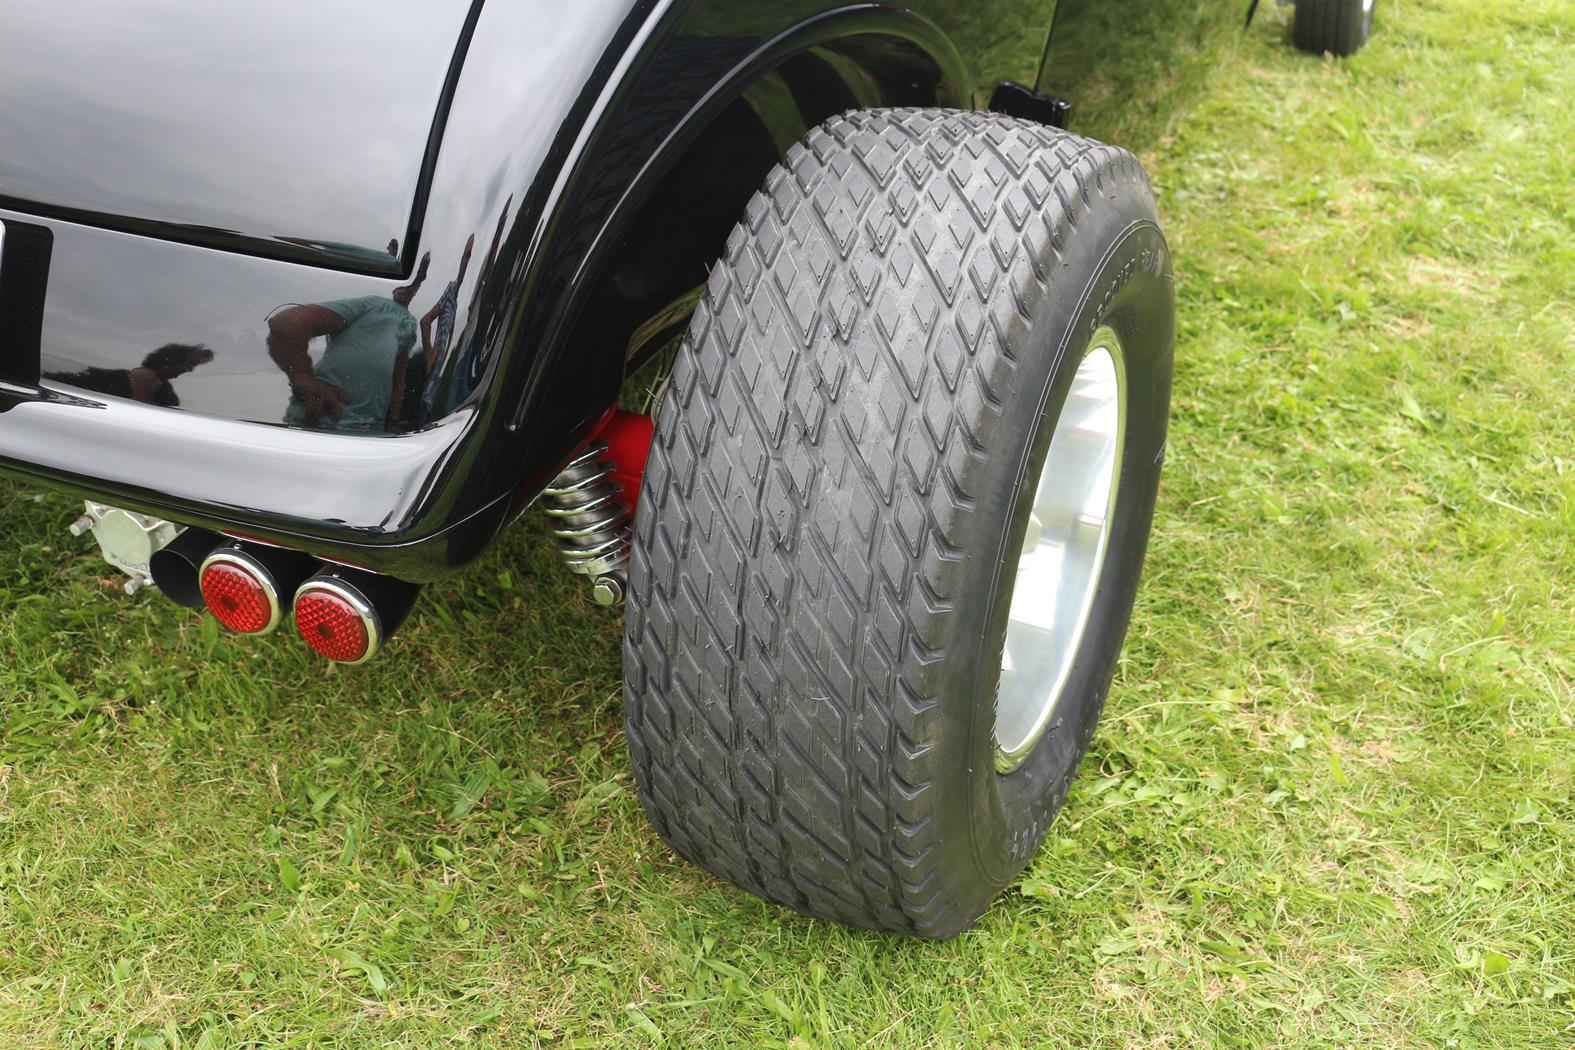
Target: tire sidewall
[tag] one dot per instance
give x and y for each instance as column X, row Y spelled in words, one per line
column 1130, row 291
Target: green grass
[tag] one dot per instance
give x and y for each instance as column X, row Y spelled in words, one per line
column 1330, row 804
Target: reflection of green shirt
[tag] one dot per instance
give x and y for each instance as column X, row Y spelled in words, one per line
column 360, row 360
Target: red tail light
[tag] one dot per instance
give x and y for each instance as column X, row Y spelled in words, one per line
column 337, row 620
column 239, row 591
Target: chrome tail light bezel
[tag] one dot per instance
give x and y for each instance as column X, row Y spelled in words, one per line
column 253, row 567
column 359, row 603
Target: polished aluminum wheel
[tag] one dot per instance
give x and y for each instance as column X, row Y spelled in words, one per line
column 1063, row 551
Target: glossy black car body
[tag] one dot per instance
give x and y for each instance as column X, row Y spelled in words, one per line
column 194, row 180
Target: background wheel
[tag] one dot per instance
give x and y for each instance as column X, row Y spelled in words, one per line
column 907, row 459
column 1339, row 27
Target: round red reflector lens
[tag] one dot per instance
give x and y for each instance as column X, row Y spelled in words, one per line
column 237, row 598
column 332, row 625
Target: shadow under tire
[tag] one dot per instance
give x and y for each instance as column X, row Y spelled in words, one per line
column 847, row 460
column 1339, row 27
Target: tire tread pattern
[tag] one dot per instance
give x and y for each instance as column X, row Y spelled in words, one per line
column 793, row 582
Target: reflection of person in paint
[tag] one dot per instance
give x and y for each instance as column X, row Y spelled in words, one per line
column 435, row 344
column 469, row 355
column 359, row 382
column 151, row 382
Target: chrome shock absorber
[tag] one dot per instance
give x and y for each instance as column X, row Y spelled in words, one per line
column 590, row 518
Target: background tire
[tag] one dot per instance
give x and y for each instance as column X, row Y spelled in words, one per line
column 842, row 476
column 1339, row 27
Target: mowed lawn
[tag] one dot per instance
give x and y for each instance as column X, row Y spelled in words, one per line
column 1330, row 804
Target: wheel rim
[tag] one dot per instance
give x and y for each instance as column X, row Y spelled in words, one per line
column 1063, row 551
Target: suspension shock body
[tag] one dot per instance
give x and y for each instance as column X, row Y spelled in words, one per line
column 592, row 503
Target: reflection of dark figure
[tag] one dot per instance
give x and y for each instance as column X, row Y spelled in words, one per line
column 359, row 383
column 422, row 381
column 471, row 357
column 149, row 383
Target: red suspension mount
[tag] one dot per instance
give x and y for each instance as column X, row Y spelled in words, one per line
column 628, row 438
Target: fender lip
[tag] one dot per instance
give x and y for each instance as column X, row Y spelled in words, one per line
column 362, row 501
column 365, row 487
column 823, row 28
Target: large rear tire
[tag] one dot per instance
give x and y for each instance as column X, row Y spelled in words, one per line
column 936, row 340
